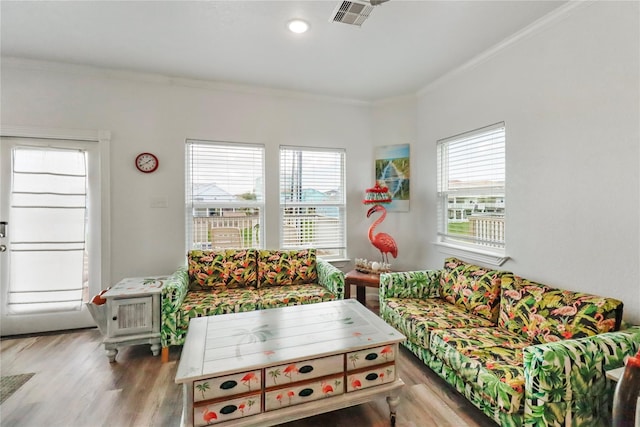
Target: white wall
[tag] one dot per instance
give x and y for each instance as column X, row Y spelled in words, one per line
column 569, row 96
column 394, row 122
column 147, row 113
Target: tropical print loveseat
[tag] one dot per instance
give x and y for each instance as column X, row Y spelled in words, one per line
column 232, row 281
column 523, row 352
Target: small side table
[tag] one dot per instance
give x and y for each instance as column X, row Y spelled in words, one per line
column 362, row 281
column 132, row 314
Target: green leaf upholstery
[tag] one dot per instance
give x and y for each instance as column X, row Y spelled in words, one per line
column 277, row 268
column 474, row 288
column 417, row 318
column 412, row 284
column 330, row 277
column 226, row 281
column 488, row 359
column 467, row 390
column 545, row 314
column 566, row 380
column 539, row 360
column 279, row 296
column 226, row 268
column 173, row 293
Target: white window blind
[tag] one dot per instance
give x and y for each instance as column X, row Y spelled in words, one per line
column 312, row 200
column 471, row 188
column 224, row 194
column 49, row 230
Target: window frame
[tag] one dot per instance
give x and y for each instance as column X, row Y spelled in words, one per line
column 210, row 207
column 475, row 248
column 339, row 203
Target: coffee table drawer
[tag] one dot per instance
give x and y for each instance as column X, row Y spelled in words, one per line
column 278, row 375
column 229, row 385
column 371, row 377
column 226, row 410
column 371, row 357
column 302, row 393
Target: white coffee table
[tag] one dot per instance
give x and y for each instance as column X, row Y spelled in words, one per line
column 272, row 366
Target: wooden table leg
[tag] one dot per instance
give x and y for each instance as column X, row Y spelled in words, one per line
column 361, row 294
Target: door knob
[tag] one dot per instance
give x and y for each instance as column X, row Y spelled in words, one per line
column 3, row 248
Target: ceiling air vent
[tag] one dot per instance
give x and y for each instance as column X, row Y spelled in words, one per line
column 352, row 12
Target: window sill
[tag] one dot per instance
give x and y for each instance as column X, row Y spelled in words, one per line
column 473, row 254
column 337, row 262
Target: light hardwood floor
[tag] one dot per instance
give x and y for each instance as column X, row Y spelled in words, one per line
column 76, row 386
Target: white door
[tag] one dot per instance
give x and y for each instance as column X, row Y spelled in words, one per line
column 50, row 233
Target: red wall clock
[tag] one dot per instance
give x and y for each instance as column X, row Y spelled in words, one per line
column 146, row 162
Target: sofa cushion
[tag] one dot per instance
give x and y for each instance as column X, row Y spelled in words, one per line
column 280, row 296
column 545, row 314
column 416, row 318
column 230, row 268
column 473, row 288
column 280, row 267
column 216, row 301
column 489, row 359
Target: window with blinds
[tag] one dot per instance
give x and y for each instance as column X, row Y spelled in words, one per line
column 224, row 195
column 471, row 188
column 312, row 200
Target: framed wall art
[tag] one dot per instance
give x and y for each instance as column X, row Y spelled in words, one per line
column 392, row 168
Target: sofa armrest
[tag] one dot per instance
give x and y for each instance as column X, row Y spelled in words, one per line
column 410, row 284
column 566, row 380
column 174, row 290
column 330, row 277
column 173, row 293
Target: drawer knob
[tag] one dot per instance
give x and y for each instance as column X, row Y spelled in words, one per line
column 371, row 356
column 305, row 392
column 305, row 369
column 227, row 385
column 372, row 377
column 228, row 409
column 114, row 318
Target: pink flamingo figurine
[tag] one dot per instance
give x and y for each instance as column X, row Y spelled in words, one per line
column 382, row 241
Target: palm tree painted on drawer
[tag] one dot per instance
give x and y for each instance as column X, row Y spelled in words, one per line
column 274, row 374
column 202, row 387
column 353, row 358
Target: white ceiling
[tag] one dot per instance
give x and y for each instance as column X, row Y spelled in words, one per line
column 401, row 48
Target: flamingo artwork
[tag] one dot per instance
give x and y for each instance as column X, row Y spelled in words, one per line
column 382, row 241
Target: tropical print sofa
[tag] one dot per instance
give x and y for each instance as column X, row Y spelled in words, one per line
column 523, row 352
column 233, row 281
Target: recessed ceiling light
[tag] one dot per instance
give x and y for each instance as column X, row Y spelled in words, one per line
column 298, row 26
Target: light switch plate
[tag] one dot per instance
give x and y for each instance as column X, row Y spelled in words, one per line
column 159, row 202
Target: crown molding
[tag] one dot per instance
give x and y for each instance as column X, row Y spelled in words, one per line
column 410, row 97
column 160, row 79
column 532, row 29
